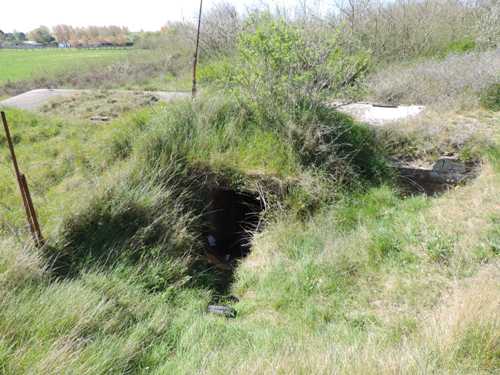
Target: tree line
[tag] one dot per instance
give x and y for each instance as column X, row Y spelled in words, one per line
column 388, row 30
column 70, row 36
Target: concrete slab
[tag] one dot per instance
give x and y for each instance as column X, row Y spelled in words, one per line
column 379, row 115
column 35, row 99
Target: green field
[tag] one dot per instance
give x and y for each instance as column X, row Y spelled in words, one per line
column 18, row 65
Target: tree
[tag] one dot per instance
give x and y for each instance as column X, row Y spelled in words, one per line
column 221, row 27
column 489, row 29
column 91, row 36
column 18, row 36
column 63, row 33
column 41, row 35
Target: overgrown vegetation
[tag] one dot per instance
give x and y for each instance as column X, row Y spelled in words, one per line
column 454, row 82
column 345, row 276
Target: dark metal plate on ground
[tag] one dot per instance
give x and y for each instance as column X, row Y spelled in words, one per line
column 225, row 311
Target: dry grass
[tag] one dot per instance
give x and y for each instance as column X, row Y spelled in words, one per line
column 465, row 327
column 435, row 133
column 19, row 264
column 466, row 216
column 455, row 81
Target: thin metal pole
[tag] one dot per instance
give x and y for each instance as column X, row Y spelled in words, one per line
column 40, row 241
column 195, row 60
column 27, row 210
column 11, row 147
column 24, row 193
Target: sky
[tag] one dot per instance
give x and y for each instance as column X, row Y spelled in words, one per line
column 148, row 15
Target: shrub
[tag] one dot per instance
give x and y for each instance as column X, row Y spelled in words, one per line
column 283, row 78
column 280, row 67
column 280, row 72
column 221, row 26
column 490, row 99
column 488, row 30
column 459, row 46
column 403, row 30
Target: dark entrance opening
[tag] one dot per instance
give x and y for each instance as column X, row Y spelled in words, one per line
column 233, row 217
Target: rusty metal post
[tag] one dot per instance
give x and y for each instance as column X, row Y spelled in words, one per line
column 40, row 241
column 26, row 197
column 195, row 60
column 28, row 211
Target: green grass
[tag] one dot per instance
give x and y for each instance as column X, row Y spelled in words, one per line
column 18, row 65
column 131, row 69
column 57, row 155
column 371, row 283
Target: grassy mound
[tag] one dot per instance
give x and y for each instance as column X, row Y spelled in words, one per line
column 151, row 203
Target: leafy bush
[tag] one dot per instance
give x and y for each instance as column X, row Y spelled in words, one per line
column 280, row 72
column 283, row 78
column 214, row 70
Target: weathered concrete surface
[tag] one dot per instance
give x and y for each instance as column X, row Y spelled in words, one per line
column 379, row 115
column 35, row 99
column 445, row 174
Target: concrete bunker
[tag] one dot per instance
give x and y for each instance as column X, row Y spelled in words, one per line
column 446, row 173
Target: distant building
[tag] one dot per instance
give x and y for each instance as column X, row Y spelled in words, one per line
column 31, row 44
